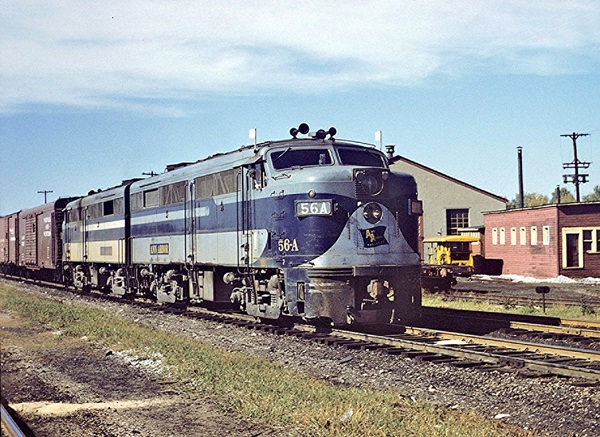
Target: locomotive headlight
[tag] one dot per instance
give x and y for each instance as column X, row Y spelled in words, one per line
column 369, row 184
column 372, row 213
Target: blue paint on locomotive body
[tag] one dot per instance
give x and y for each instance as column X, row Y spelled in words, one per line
column 334, row 221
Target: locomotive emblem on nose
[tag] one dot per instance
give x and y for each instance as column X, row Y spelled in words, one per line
column 374, row 237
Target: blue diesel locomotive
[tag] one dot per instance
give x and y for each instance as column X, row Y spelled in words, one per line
column 311, row 227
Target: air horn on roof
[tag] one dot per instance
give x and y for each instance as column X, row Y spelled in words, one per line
column 320, row 134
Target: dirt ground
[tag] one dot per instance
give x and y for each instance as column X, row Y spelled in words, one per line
column 65, row 387
column 68, row 387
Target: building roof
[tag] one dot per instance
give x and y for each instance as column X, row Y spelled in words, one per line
column 549, row 205
column 445, row 176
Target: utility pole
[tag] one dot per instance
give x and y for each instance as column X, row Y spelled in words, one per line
column 45, row 193
column 575, row 164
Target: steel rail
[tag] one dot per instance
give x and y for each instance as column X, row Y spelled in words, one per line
column 466, row 351
column 569, row 330
column 522, row 346
column 581, row 328
column 9, row 424
column 520, row 299
column 588, row 324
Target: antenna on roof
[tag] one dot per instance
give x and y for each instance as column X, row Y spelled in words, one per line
column 379, row 138
column 252, row 136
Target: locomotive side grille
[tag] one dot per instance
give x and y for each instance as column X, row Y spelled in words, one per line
column 325, row 273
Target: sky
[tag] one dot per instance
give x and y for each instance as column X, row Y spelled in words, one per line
column 92, row 93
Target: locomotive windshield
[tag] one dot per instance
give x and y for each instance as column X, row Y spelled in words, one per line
column 362, row 157
column 289, row 158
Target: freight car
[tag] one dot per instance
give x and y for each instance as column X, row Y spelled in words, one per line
column 9, row 233
column 31, row 244
column 314, row 227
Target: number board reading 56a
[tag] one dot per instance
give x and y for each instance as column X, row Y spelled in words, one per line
column 305, row 208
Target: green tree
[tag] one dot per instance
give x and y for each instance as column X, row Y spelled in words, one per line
column 529, row 199
column 565, row 196
column 594, row 196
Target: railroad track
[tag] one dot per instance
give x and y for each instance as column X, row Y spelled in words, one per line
column 10, row 425
column 508, row 300
column 423, row 344
column 485, row 321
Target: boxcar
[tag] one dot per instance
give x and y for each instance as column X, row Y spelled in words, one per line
column 39, row 240
column 9, row 243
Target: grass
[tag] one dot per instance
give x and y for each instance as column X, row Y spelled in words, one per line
column 258, row 390
column 582, row 312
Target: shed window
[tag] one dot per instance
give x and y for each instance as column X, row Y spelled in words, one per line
column 546, row 235
column 494, row 235
column 588, row 240
column 534, row 236
column 513, row 236
column 456, row 219
column 502, row 236
column 523, row 236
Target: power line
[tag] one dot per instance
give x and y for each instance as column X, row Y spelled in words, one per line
column 45, row 193
column 576, row 164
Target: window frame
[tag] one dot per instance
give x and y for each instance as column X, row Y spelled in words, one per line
column 456, row 216
column 533, row 235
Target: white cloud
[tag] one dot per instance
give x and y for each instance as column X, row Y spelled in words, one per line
column 106, row 53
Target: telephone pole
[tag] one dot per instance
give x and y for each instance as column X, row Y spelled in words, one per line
column 45, row 193
column 575, row 164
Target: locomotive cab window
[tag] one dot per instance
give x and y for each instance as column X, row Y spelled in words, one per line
column 292, row 158
column 257, row 174
column 361, row 157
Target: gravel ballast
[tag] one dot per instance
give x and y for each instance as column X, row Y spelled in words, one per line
column 551, row 405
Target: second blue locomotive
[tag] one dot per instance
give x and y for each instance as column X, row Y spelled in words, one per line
column 313, row 227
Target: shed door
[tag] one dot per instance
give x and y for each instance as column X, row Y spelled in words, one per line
column 572, row 257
